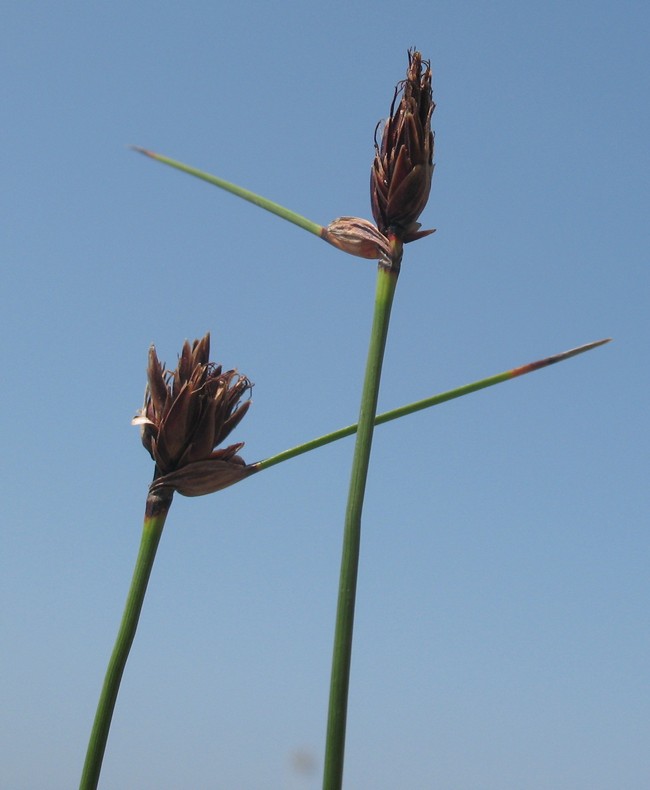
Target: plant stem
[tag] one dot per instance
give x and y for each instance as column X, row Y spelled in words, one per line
column 342, row 653
column 245, row 194
column 156, row 511
column 425, row 403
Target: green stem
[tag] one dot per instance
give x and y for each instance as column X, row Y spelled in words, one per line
column 425, row 403
column 245, row 194
column 154, row 521
column 342, row 653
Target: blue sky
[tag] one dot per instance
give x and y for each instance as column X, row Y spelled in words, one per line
column 502, row 622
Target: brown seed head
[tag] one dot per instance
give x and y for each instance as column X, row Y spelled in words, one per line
column 400, row 179
column 187, row 412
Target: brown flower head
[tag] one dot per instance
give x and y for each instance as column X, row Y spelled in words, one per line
column 400, row 179
column 187, row 412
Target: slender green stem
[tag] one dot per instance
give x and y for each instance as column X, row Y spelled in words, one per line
column 154, row 521
column 425, row 403
column 342, row 653
column 245, row 194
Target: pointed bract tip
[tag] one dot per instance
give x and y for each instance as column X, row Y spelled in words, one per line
column 572, row 352
column 586, row 347
column 143, row 151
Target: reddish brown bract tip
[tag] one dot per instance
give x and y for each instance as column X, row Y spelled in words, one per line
column 400, row 179
column 188, row 412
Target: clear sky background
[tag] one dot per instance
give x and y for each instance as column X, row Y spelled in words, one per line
column 502, row 636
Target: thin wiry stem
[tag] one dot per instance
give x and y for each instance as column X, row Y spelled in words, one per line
column 154, row 521
column 425, row 403
column 245, row 194
column 342, row 652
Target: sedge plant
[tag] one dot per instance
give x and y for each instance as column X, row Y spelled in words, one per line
column 190, row 411
column 195, row 378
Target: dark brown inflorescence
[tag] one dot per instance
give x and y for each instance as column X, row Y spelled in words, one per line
column 400, row 178
column 188, row 412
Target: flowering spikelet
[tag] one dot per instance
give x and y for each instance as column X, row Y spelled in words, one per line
column 187, row 412
column 400, row 179
column 358, row 237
